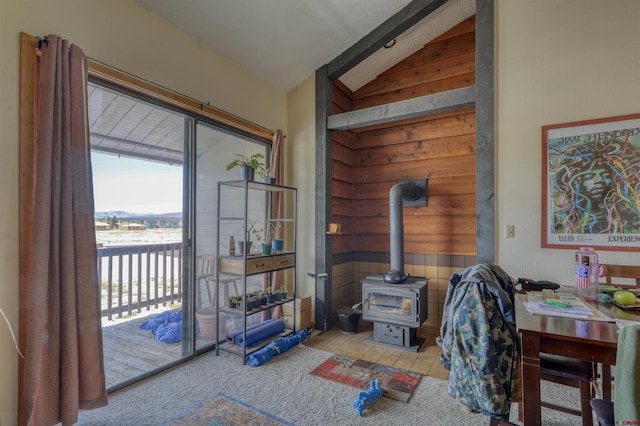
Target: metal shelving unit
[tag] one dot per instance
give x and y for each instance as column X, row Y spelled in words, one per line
column 243, row 265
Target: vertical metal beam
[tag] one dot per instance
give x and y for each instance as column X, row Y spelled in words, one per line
column 324, row 101
column 188, row 236
column 485, row 134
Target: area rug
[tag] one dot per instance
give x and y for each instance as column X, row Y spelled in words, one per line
column 221, row 409
column 396, row 383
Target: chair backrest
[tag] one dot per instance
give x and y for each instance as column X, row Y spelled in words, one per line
column 630, row 274
column 205, row 266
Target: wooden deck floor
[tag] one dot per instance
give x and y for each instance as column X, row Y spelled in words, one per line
column 130, row 351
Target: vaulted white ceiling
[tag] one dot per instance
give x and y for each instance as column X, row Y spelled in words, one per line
column 284, row 41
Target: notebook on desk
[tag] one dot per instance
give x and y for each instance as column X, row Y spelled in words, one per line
column 534, row 303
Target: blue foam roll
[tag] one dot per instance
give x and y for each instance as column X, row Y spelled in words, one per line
column 276, row 347
column 261, row 333
column 233, row 335
column 256, row 329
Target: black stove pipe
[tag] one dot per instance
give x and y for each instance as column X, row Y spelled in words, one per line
column 411, row 192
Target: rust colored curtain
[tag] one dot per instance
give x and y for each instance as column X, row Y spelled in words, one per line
column 276, row 165
column 63, row 367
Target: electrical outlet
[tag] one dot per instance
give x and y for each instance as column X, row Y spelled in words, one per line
column 509, row 231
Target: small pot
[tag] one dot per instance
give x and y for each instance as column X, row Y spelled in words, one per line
column 244, row 247
column 277, row 244
column 247, row 173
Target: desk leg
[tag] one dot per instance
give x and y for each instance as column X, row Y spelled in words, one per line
column 531, row 379
column 606, row 382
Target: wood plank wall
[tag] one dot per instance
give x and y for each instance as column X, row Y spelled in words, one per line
column 343, row 174
column 367, row 162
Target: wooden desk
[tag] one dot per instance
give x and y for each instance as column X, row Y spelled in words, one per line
column 594, row 341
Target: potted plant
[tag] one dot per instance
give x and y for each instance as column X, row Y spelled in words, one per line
column 266, row 249
column 233, row 300
column 271, row 297
column 284, row 293
column 245, row 246
column 277, row 242
column 265, row 235
column 250, row 303
column 262, row 297
column 265, row 174
column 240, row 302
column 248, row 165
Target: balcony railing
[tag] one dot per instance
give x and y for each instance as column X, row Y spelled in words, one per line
column 137, row 278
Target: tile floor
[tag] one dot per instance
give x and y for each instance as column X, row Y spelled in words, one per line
column 426, row 361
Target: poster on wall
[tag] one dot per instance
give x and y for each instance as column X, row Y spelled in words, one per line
column 591, row 184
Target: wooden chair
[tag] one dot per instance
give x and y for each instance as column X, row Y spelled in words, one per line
column 623, row 276
column 206, row 275
column 582, row 374
column 614, row 274
column 574, row 373
column 569, row 372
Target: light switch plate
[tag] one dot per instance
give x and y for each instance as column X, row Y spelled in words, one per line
column 509, row 231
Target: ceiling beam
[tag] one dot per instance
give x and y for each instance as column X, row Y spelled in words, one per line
column 143, row 157
column 376, row 39
column 401, row 110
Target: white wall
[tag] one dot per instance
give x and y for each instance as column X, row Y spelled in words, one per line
column 300, row 156
column 122, row 35
column 557, row 61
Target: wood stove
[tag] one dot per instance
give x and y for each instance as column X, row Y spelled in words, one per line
column 394, row 301
column 396, row 310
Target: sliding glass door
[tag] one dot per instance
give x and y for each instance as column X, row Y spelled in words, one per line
column 155, row 174
column 138, row 174
column 215, row 149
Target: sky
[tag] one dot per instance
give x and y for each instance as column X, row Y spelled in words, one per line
column 135, row 186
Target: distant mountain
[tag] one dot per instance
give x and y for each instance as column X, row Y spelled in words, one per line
column 124, row 216
column 117, row 213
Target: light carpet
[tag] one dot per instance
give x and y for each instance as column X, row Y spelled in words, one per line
column 284, row 388
column 221, row 409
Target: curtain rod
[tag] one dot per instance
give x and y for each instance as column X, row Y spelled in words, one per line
column 42, row 40
column 45, row 40
column 197, row 101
